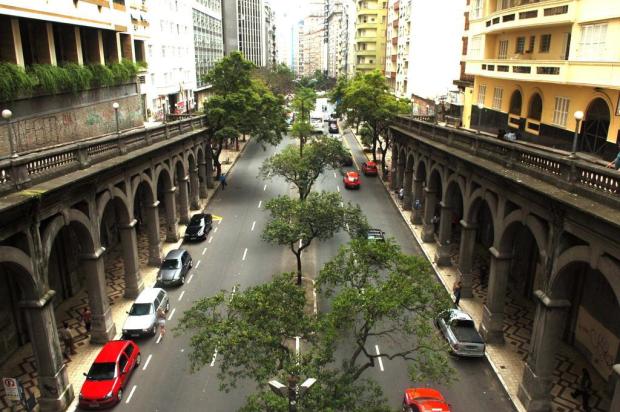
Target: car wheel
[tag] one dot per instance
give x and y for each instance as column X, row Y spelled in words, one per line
column 154, row 330
column 167, row 306
column 138, row 360
column 182, row 279
column 119, row 395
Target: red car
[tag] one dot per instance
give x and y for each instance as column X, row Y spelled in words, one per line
column 424, row 400
column 109, row 374
column 351, row 180
column 369, row 168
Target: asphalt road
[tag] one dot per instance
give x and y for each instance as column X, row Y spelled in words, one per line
column 234, row 254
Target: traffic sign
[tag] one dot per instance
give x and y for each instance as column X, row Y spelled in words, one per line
column 11, row 389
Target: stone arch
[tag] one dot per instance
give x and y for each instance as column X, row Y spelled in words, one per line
column 516, row 102
column 455, row 181
column 436, row 175
column 596, row 124
column 199, row 154
column 511, row 222
column 421, row 170
column 15, row 257
column 84, row 230
column 475, row 201
column 111, row 194
column 535, row 106
column 136, row 181
column 167, row 177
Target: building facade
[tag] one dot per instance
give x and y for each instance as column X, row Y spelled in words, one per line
column 538, row 63
column 370, row 35
column 312, row 47
column 340, row 35
column 208, row 42
column 244, row 30
column 271, row 48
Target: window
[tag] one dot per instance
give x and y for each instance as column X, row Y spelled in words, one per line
column 545, row 43
column 520, row 46
column 474, row 47
column 560, row 111
column 122, row 362
column 482, row 91
column 129, row 350
column 497, row 98
column 530, row 48
column 503, row 49
column 592, row 45
column 476, row 9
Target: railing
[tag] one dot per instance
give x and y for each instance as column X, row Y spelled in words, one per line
column 21, row 172
column 574, row 175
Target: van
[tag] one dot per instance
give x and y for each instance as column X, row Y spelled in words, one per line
column 142, row 317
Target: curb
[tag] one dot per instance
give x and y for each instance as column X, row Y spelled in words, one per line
column 515, row 401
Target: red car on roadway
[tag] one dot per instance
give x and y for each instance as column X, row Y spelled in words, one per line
column 109, row 374
column 369, row 168
column 351, row 180
column 424, row 400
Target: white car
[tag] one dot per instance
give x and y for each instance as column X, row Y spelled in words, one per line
column 460, row 331
column 142, row 319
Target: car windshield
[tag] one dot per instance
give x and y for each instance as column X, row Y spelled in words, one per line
column 101, row 371
column 463, row 323
column 196, row 221
column 140, row 309
column 170, row 264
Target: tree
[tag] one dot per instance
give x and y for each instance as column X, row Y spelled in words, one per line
column 303, row 102
column 367, row 99
column 320, row 154
column 296, row 223
column 279, row 79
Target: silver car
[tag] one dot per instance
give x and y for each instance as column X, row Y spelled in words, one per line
column 174, row 268
column 460, row 331
column 142, row 319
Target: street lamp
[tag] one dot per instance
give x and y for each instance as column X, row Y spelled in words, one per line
column 293, row 391
column 578, row 118
column 115, row 106
column 480, row 107
column 6, row 115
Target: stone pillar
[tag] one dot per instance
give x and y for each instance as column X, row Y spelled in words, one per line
column 400, row 172
column 194, row 183
column 53, row 380
column 466, row 257
column 126, row 46
column 78, row 45
column 428, row 234
column 394, row 179
column 407, row 196
column 445, row 229
column 492, row 327
column 13, row 37
column 131, row 262
column 418, row 193
column 537, row 382
column 183, row 205
column 50, row 56
column 615, row 400
column 172, row 226
column 209, row 168
column 152, row 227
column 103, row 328
column 202, row 181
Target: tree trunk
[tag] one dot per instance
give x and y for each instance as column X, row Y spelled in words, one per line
column 302, row 141
column 374, row 149
column 237, row 143
column 298, row 256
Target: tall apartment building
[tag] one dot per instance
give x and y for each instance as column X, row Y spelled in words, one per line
column 311, row 40
column 418, row 63
column 340, row 34
column 171, row 79
column 244, row 30
column 538, row 63
column 271, row 49
column 370, row 35
column 208, row 42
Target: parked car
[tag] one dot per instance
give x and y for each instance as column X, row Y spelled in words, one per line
column 460, row 331
column 142, row 317
column 199, row 226
column 376, row 235
column 174, row 268
column 424, row 400
column 351, row 180
column 332, row 127
column 347, row 160
column 109, row 374
column 369, row 168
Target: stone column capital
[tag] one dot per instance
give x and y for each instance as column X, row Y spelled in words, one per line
column 430, row 191
column 93, row 256
column 171, row 190
column 38, row 303
column 616, row 370
column 184, row 178
column 202, row 162
column 155, row 205
column 443, row 205
column 551, row 303
column 496, row 254
column 129, row 225
column 418, row 179
column 465, row 225
column 194, row 170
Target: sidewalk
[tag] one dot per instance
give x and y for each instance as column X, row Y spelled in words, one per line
column 22, row 364
column 508, row 359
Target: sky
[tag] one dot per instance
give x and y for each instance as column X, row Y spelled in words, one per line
column 288, row 12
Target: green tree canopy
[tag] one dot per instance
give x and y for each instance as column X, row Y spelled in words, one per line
column 279, row 79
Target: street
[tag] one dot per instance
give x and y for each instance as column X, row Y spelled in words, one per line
column 234, row 254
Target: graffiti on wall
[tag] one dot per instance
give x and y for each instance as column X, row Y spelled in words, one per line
column 43, row 131
column 598, row 340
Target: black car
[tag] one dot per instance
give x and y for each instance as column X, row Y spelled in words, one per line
column 375, row 235
column 199, row 226
column 174, row 268
column 333, row 127
column 346, row 160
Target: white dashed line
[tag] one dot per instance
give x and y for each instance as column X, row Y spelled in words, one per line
column 197, row 264
column 245, row 252
column 253, row 224
column 297, row 345
column 264, row 188
column 347, row 225
column 190, row 278
column 147, row 362
column 260, row 203
column 181, row 295
column 131, row 393
column 213, row 359
column 338, row 187
column 380, row 360
column 158, row 339
column 232, row 295
column 215, row 230
column 210, row 239
column 204, row 251
column 171, row 313
column 335, row 175
column 341, row 204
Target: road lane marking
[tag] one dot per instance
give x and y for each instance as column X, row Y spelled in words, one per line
column 341, row 204
column 213, row 359
column 197, row 264
column 297, row 345
column 379, row 358
column 210, row 239
column 190, row 278
column 158, row 339
column 131, row 393
column 335, row 177
column 264, row 188
column 147, row 362
column 181, row 295
column 204, row 251
column 232, row 295
column 215, row 230
column 347, row 225
column 245, row 252
column 253, row 224
column 171, row 313
column 260, row 203
column 338, row 188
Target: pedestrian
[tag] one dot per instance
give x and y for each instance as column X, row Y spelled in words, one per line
column 67, row 338
column 223, row 181
column 615, row 163
column 456, row 289
column 401, row 193
column 86, row 316
column 161, row 321
column 584, row 390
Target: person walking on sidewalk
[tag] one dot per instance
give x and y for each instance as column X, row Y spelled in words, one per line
column 223, row 181
column 615, row 163
column 67, row 339
column 161, row 321
column 86, row 317
column 456, row 289
column 585, row 390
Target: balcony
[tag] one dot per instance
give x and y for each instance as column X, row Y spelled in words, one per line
column 366, row 39
column 578, row 73
column 544, row 13
column 366, row 52
column 366, row 25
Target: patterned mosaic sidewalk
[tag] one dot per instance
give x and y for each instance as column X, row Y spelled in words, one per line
column 22, row 364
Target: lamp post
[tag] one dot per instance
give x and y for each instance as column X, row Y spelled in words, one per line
column 480, row 108
column 115, row 106
column 293, row 391
column 6, row 115
column 578, row 118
